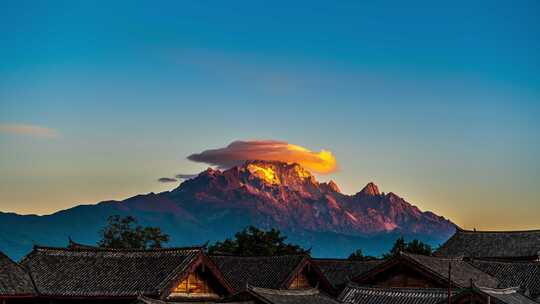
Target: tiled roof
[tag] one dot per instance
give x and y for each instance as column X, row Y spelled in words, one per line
column 339, row 271
column 462, row 271
column 511, row 274
column 496, row 296
column 267, row 272
column 383, row 295
column 492, row 244
column 146, row 300
column 92, row 272
column 507, row 296
column 273, row 296
column 14, row 281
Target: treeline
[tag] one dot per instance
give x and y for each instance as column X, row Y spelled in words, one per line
column 125, row 232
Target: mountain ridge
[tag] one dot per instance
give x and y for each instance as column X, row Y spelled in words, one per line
column 217, row 203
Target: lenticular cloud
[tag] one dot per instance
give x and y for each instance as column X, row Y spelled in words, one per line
column 237, row 152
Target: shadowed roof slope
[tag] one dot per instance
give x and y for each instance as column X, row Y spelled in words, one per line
column 492, row 244
column 512, row 274
column 462, row 271
column 496, row 296
column 383, row 295
column 14, row 281
column 339, row 271
column 92, row 272
column 267, row 272
column 273, row 296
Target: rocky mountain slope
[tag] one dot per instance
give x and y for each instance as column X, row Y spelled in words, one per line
column 216, row 203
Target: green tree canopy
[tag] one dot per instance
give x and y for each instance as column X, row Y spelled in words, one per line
column 124, row 232
column 415, row 246
column 255, row 242
column 358, row 255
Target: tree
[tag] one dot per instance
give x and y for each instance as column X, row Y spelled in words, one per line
column 124, row 232
column 252, row 241
column 418, row 247
column 358, row 255
column 415, row 246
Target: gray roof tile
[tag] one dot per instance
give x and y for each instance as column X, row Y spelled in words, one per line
column 379, row 295
column 88, row 272
column 339, row 271
column 14, row 280
column 492, row 244
column 267, row 272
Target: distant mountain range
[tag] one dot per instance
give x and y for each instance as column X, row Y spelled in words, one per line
column 215, row 204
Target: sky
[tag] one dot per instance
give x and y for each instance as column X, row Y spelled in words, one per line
column 437, row 102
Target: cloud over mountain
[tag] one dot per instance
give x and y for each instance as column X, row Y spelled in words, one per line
column 167, row 180
column 237, row 152
column 185, row 176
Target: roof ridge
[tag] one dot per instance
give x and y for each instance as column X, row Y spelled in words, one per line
column 499, row 290
column 408, row 289
column 517, row 262
column 344, row 260
column 291, row 292
column 257, row 256
column 457, row 258
column 103, row 249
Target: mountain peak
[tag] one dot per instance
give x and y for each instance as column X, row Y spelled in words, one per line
column 277, row 173
column 332, row 185
column 370, row 190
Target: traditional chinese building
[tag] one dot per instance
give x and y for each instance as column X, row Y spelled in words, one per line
column 523, row 274
column 493, row 245
column 273, row 272
column 484, row 295
column 89, row 274
column 340, row 271
column 419, row 271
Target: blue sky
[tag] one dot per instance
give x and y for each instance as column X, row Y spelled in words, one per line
column 439, row 104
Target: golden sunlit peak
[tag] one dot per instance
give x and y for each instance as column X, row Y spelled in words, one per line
column 265, row 173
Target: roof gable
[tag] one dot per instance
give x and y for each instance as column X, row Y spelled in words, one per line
column 14, row 280
column 435, row 269
column 97, row 272
column 269, row 272
column 492, row 244
column 273, row 272
column 340, row 271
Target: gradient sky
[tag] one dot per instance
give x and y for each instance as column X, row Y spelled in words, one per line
column 439, row 104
